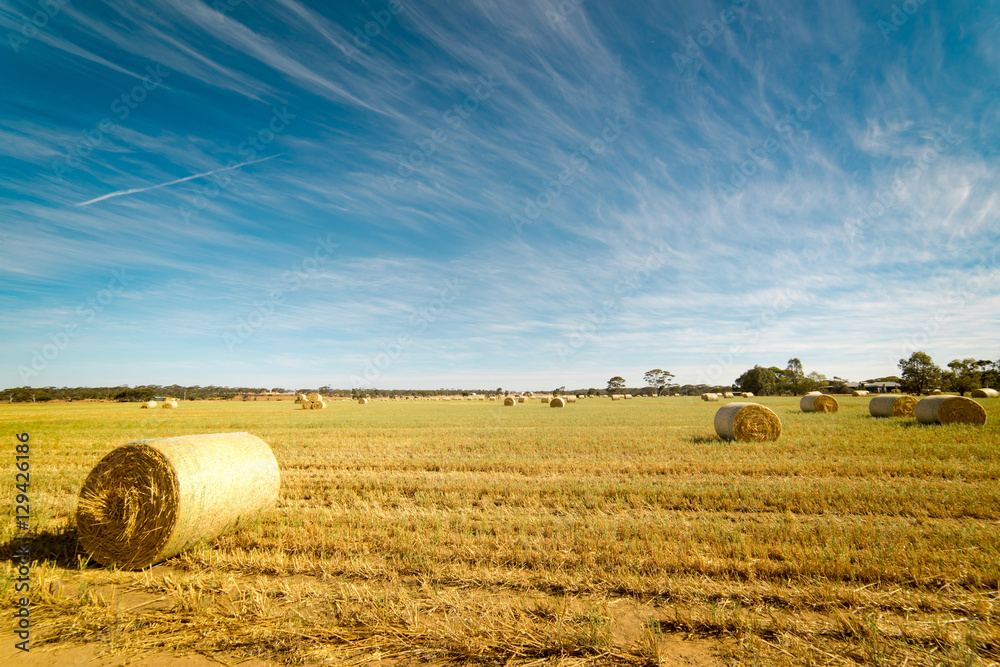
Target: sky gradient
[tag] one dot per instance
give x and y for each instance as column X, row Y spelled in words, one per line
column 480, row 194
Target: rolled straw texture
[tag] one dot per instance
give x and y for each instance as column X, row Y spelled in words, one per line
column 891, row 406
column 747, row 422
column 362, row 401
column 169, row 405
column 728, row 394
column 149, row 404
column 510, row 400
column 859, row 392
column 747, row 394
column 949, row 410
column 710, row 397
column 152, row 499
column 570, row 399
column 306, row 405
column 317, row 405
column 985, row 393
column 522, row 399
column 818, row 403
column 557, row 402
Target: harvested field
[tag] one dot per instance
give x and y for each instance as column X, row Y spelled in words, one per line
column 462, row 532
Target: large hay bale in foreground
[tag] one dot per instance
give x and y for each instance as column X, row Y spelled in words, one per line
column 152, row 499
column 985, row 392
column 510, row 400
column 747, row 422
column 818, row 403
column 891, row 406
column 949, row 410
column 710, row 397
column 557, row 402
column 859, row 392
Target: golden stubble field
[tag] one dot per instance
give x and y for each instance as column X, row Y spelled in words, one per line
column 601, row 533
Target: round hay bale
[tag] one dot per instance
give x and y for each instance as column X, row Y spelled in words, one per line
column 317, row 405
column 306, row 405
column 813, row 393
column 949, row 410
column 615, row 397
column 152, row 499
column 510, row 400
column 557, row 402
column 570, row 399
column 149, row 404
column 891, row 406
column 747, row 394
column 628, row 396
column 313, row 397
column 169, row 405
column 747, row 422
column 364, row 401
column 728, row 394
column 936, row 392
column 985, row 392
column 544, row 400
column 522, row 399
column 818, row 403
column 859, row 392
column 710, row 397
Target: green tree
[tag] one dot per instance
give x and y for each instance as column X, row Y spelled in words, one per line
column 965, row 375
column 759, row 380
column 919, row 373
column 658, row 379
column 616, row 384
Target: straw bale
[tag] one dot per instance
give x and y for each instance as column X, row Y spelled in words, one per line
column 570, row 399
column 522, row 399
column 747, row 394
column 510, row 400
column 818, row 403
column 317, row 405
column 711, row 397
column 557, row 402
column 891, row 406
column 985, row 392
column 747, row 422
column 152, row 499
column 936, row 392
column 949, row 410
column 859, row 392
column 364, row 401
column 306, row 405
column 813, row 393
column 169, row 405
column 728, row 394
column 615, row 397
column 628, row 395
column 149, row 404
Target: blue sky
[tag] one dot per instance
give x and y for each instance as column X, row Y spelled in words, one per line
column 477, row 194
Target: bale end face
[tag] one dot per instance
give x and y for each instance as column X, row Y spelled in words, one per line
column 747, row 422
column 818, row 403
column 509, row 401
column 557, row 403
column 892, row 406
column 949, row 410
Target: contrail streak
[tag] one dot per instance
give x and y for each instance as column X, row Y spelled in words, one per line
column 119, row 193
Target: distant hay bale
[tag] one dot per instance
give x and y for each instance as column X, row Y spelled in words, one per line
column 936, row 392
column 306, row 405
column 300, row 398
column 628, row 395
column 728, row 394
column 152, row 499
column 949, row 410
column 317, row 405
column 581, row 396
column 510, row 400
column 710, row 397
column 557, row 402
column 813, row 393
column 522, row 399
column 364, row 401
column 149, row 404
column 818, row 403
column 747, row 422
column 615, row 397
column 169, row 405
column 891, row 406
column 313, row 397
column 859, row 392
column 544, row 400
column 747, row 394
column 570, row 399
column 985, row 393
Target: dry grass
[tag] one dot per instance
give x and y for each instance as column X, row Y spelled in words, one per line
column 460, row 532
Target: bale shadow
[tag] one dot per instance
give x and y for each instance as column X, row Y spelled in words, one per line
column 61, row 547
column 706, row 439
